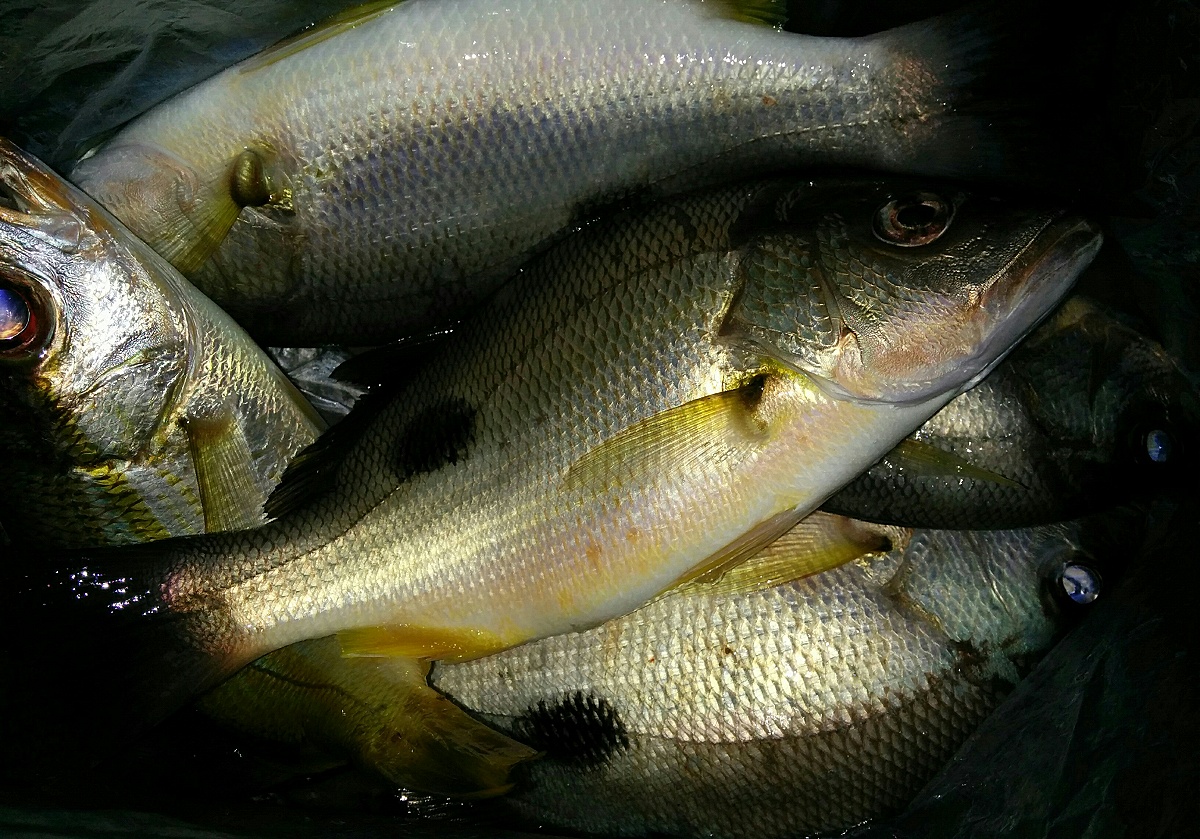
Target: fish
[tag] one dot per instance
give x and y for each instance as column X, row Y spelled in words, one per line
column 813, row 705
column 133, row 410
column 651, row 401
column 383, row 172
column 1087, row 413
column 131, row 407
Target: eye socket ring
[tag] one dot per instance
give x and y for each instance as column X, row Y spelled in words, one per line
column 24, row 322
column 912, row 220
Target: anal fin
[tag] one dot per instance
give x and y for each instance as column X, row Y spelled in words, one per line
column 381, row 712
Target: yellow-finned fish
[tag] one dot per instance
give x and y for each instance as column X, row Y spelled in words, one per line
column 815, row 704
column 131, row 407
column 652, row 400
column 391, row 167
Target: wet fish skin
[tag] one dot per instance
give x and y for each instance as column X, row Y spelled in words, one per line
column 125, row 371
column 396, row 172
column 1062, row 425
column 814, row 705
column 548, row 469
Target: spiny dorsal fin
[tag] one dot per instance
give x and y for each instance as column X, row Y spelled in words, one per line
column 395, row 363
column 341, row 22
column 384, row 372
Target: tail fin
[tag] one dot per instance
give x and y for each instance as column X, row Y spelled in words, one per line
column 97, row 650
column 1010, row 89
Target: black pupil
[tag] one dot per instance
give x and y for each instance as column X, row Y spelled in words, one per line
column 916, row 215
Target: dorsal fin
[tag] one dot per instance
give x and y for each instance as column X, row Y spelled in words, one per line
column 393, row 364
column 341, row 22
column 383, row 372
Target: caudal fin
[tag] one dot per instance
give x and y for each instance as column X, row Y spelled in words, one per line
column 1008, row 92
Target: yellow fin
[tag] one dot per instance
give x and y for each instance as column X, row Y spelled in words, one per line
column 735, row 553
column 419, row 642
column 229, row 491
column 187, row 238
column 335, row 25
column 923, row 457
column 381, row 712
column 711, row 428
column 818, row 543
column 772, row 13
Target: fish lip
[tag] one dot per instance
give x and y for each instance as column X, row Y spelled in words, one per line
column 1068, row 244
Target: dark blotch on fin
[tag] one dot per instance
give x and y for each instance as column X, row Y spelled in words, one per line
column 577, row 729
column 435, row 438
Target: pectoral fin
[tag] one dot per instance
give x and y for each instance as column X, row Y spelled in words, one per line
column 924, row 458
column 717, row 427
column 818, row 543
column 224, row 466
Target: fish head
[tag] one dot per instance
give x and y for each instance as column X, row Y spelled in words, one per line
column 896, row 290
column 1117, row 410
column 91, row 333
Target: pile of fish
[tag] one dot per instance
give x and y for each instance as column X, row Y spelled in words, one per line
column 565, row 549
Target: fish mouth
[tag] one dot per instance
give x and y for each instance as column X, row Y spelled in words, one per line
column 1041, row 274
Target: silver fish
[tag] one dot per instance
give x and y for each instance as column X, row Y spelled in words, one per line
column 656, row 398
column 1085, row 414
column 131, row 407
column 759, row 713
column 393, row 166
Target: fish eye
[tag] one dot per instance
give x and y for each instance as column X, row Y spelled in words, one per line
column 21, row 328
column 913, row 220
column 1079, row 583
column 1158, row 445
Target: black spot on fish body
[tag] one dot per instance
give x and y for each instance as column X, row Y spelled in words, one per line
column 577, row 729
column 436, row 437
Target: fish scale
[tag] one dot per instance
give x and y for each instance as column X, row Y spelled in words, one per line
column 814, row 704
column 420, row 155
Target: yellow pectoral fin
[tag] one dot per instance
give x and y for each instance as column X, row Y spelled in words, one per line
column 420, row 642
column 925, row 458
column 734, row 554
column 334, row 25
column 818, row 543
column 699, row 432
column 224, row 466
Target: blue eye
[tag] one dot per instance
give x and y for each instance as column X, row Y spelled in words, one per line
column 15, row 317
column 1080, row 583
column 1158, row 446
